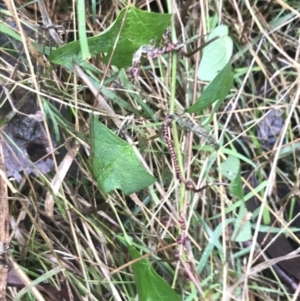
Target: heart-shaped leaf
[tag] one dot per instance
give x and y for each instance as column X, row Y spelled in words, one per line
column 114, row 163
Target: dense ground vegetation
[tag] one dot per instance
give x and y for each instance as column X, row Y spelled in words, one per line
column 235, row 239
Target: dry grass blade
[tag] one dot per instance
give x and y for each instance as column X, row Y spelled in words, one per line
column 4, row 227
column 59, row 178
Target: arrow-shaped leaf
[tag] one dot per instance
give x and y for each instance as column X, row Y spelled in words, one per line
column 114, row 163
column 139, row 28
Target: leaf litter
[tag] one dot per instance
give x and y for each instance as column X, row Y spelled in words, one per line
column 24, row 141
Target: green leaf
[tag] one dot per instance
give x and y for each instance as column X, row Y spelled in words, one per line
column 150, row 286
column 215, row 55
column 4, row 28
column 44, row 277
column 139, row 28
column 114, row 163
column 218, row 89
column 214, row 241
column 231, row 169
column 242, row 226
column 233, row 152
column 82, row 29
column 236, row 186
column 239, row 203
column 272, row 229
